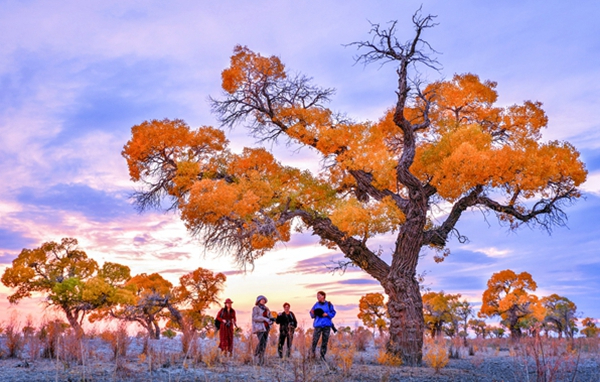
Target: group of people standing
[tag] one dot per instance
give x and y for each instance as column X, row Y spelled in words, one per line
column 322, row 314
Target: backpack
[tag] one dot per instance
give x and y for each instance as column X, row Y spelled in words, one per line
column 217, row 322
column 332, row 324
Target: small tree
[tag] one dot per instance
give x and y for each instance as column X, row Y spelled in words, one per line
column 197, row 291
column 480, row 328
column 462, row 312
column 70, row 280
column 590, row 329
column 144, row 299
column 372, row 312
column 560, row 315
column 437, row 312
column 498, row 332
column 507, row 297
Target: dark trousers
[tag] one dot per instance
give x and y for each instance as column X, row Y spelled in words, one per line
column 261, row 346
column 322, row 332
column 285, row 335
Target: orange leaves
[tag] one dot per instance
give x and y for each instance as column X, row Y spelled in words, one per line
column 157, row 146
column 465, row 96
column 247, row 67
column 458, row 162
column 372, row 311
column 258, row 178
column 365, row 221
column 200, row 288
column 507, row 297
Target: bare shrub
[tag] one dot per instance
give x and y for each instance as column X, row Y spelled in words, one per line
column 245, row 349
column 72, row 348
column 14, row 340
column 361, row 337
column 188, row 338
column 555, row 359
column 118, row 340
column 32, row 343
column 342, row 350
column 49, row 334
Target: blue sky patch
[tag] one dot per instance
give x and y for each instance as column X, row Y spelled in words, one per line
column 94, row 204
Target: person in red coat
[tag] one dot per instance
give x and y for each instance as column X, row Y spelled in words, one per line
column 226, row 317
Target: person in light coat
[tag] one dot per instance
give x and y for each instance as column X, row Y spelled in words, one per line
column 261, row 324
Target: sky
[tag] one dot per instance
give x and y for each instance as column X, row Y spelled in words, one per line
column 76, row 76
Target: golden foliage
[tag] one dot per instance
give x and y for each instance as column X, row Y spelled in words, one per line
column 245, row 202
column 372, row 311
column 248, row 67
column 507, row 297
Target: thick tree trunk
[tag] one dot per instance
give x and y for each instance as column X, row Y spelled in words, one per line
column 405, row 308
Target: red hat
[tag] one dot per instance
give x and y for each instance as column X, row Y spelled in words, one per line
column 228, row 300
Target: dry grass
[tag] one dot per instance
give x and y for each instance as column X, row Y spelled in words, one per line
column 546, row 359
column 117, row 339
column 342, row 350
column 436, row 354
column 14, row 341
column 387, row 359
column 553, row 359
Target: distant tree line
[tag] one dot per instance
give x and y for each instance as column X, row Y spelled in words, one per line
column 80, row 288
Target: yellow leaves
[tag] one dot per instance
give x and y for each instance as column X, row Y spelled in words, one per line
column 185, row 175
column 247, row 67
column 458, row 162
column 366, row 220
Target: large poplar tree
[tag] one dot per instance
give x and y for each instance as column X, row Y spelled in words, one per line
column 445, row 144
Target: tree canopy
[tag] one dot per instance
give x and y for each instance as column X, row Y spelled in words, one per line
column 507, row 296
column 72, row 282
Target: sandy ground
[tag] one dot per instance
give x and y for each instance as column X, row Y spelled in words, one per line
column 168, row 364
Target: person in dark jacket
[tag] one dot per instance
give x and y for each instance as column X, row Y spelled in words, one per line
column 287, row 324
column 226, row 317
column 322, row 313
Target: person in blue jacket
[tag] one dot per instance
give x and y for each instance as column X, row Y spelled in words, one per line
column 322, row 313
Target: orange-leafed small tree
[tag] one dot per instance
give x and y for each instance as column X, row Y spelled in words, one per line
column 197, row 291
column 71, row 281
column 508, row 297
column 443, row 143
column 144, row 299
column 372, row 311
